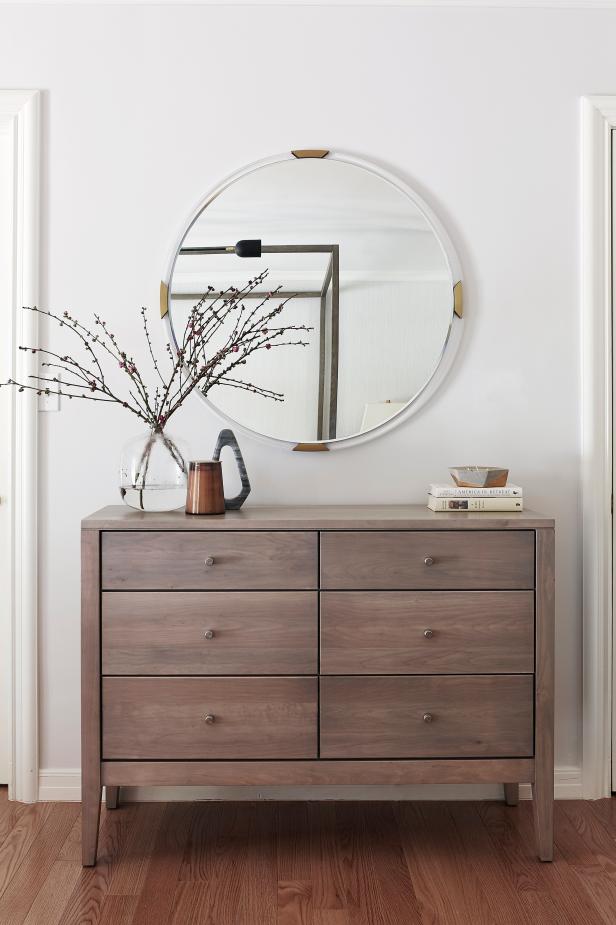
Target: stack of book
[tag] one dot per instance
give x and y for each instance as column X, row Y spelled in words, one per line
column 452, row 498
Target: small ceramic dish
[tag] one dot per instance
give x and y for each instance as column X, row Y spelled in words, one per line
column 479, row 476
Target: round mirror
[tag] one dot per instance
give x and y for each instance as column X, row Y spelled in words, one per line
column 358, row 259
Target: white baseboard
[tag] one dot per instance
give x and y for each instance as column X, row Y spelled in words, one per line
column 567, row 785
column 65, row 784
column 60, row 784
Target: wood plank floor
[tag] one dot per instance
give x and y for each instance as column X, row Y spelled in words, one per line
column 308, row 864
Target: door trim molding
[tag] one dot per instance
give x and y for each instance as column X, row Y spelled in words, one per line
column 22, row 107
column 598, row 121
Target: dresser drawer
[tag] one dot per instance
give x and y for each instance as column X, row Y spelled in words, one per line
column 474, row 560
column 427, row 717
column 206, row 561
column 209, row 632
column 427, row 632
column 207, row 718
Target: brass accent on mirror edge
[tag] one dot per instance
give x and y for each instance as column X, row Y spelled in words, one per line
column 310, row 152
column 458, row 305
column 311, row 448
column 164, row 299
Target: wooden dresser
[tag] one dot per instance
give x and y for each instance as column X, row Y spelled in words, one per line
column 317, row 645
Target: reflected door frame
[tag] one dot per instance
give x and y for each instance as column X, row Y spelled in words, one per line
column 19, row 281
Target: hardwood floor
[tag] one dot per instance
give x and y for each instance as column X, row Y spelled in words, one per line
column 308, row 864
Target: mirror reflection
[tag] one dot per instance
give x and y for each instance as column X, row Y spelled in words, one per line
column 366, row 272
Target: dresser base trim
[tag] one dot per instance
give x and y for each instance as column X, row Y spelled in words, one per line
column 265, row 773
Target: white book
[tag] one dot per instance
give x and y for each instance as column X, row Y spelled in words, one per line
column 475, row 504
column 452, row 491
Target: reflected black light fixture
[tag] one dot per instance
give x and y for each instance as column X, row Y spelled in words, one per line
column 248, row 248
column 251, row 247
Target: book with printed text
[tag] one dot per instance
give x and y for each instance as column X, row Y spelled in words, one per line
column 475, row 504
column 452, row 491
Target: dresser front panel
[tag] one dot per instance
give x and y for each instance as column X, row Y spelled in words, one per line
column 322, row 645
column 435, row 716
column 430, row 560
column 425, row 632
column 166, row 718
column 209, row 632
column 204, row 561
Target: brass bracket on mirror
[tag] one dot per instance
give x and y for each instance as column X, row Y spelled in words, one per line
column 311, row 448
column 458, row 304
column 310, row 152
column 164, row 299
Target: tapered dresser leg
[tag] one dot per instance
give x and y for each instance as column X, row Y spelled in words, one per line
column 112, row 797
column 90, row 817
column 543, row 811
column 512, row 794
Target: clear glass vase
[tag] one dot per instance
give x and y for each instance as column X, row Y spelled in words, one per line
column 153, row 470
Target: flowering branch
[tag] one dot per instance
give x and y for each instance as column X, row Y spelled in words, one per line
column 191, row 368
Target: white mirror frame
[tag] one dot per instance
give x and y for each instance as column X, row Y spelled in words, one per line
column 452, row 340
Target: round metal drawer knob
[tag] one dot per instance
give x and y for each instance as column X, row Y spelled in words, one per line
column 209, row 718
column 209, row 560
column 428, row 633
column 427, row 717
column 209, row 634
column 428, row 560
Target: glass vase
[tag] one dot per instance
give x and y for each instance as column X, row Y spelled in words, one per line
column 153, row 469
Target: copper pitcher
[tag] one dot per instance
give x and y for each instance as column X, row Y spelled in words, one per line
column 205, row 493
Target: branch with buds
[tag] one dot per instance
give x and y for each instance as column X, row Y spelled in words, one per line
column 219, row 318
column 241, row 330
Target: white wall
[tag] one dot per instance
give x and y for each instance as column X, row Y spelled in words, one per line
column 146, row 107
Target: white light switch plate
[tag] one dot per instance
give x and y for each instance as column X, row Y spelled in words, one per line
column 50, row 402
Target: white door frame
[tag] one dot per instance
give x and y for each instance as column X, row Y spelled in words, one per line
column 598, row 121
column 20, row 114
